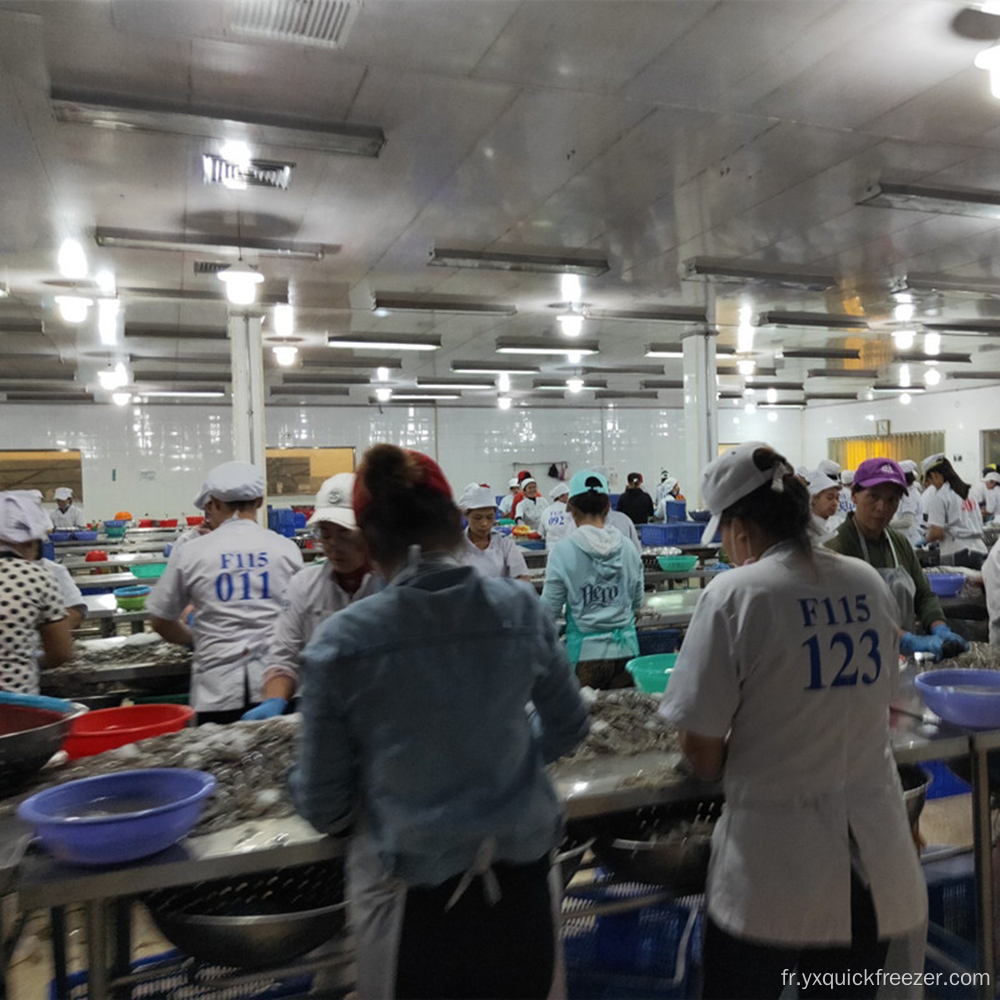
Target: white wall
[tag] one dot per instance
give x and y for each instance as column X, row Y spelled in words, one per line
column 961, row 414
column 151, row 459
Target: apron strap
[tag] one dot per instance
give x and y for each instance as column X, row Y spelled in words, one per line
column 482, row 864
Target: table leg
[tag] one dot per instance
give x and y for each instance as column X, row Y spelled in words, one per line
column 122, row 964
column 983, row 847
column 60, row 972
column 96, row 912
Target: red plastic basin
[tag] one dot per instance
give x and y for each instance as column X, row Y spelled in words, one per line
column 107, row 728
column 170, row 522
column 193, row 522
column 146, row 522
column 96, row 555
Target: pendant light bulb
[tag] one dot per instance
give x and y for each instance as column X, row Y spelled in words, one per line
column 382, row 374
column 903, row 339
column 574, row 385
column 906, row 399
column 571, row 324
column 932, row 376
column 73, row 308
column 107, row 321
column 72, row 260
column 569, row 288
column 284, row 319
column 285, row 354
column 504, row 402
column 121, row 398
column 772, row 395
column 383, row 394
column 503, row 382
column 932, row 344
column 241, row 281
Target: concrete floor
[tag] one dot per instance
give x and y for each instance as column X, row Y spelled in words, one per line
column 943, row 821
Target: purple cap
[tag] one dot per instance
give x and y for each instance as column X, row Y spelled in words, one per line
column 873, row 471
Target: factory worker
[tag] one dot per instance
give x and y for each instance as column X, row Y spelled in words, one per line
column 829, row 468
column 557, row 522
column 415, row 742
column 979, row 489
column 317, row 592
column 929, row 488
column 624, row 524
column 529, row 508
column 909, row 519
column 782, row 690
column 236, row 578
column 66, row 514
column 879, row 485
column 844, row 502
column 824, row 495
column 514, row 487
column 991, row 584
column 992, row 502
column 597, row 577
column 953, row 518
column 664, row 489
column 635, row 503
column 31, row 608
column 490, row 553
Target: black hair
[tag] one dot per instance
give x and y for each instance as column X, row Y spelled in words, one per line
column 402, row 510
column 910, row 477
column 592, row 502
column 635, row 477
column 951, row 477
column 783, row 515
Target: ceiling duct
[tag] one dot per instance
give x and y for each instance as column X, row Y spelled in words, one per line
column 172, row 332
column 309, row 390
column 822, row 353
column 324, row 23
column 590, row 265
column 713, row 269
column 138, row 239
column 863, row 374
column 210, row 266
column 811, row 320
column 661, row 383
column 257, row 173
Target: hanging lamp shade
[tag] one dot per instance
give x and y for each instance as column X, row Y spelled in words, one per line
column 241, row 281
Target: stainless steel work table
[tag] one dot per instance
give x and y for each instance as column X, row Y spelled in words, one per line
column 104, row 608
column 74, row 563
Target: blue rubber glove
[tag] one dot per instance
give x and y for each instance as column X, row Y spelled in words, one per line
column 267, row 709
column 36, row 701
column 910, row 644
column 953, row 642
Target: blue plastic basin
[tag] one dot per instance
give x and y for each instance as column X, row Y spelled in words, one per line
column 115, row 818
column 60, row 536
column 84, row 536
column 946, row 584
column 963, row 697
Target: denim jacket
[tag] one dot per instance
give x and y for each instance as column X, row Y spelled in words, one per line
column 414, row 715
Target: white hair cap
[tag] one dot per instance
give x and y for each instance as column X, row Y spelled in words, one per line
column 847, row 477
column 334, row 502
column 908, row 465
column 475, row 497
column 817, row 482
column 829, row 467
column 559, row 490
column 63, row 493
column 231, row 482
column 21, row 518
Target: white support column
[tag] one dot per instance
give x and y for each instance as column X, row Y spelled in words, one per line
column 248, row 388
column 701, row 409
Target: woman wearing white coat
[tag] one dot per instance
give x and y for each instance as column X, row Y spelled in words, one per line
column 482, row 547
column 782, row 690
column 953, row 517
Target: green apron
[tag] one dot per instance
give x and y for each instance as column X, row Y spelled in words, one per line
column 624, row 637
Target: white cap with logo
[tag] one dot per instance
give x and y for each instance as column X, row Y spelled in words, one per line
column 334, row 502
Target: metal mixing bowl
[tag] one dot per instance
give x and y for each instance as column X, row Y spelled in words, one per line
column 254, row 921
column 915, row 781
column 28, row 739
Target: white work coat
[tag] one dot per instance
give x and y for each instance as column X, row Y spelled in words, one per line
column 909, row 518
column 991, row 581
column 796, row 658
column 961, row 520
column 502, row 557
column 71, row 517
column 556, row 524
column 236, row 578
column 531, row 510
column 71, row 594
column 312, row 596
column 992, row 501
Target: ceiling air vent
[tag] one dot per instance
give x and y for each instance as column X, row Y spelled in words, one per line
column 256, row 173
column 210, row 266
column 310, row 22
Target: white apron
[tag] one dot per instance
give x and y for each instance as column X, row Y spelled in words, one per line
column 902, row 585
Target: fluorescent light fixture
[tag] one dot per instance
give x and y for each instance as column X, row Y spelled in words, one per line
column 4, row 290
column 72, row 260
column 933, row 376
column 652, row 314
column 503, row 382
column 493, row 368
column 677, row 351
column 241, row 281
column 903, row 339
column 713, row 269
column 307, row 381
column 523, row 345
column 113, row 377
column 983, row 327
column 420, row 397
column 503, row 402
column 989, row 60
column 904, row 375
column 903, row 312
column 284, row 319
column 146, row 115
column 575, row 385
column 868, row 374
column 591, row 264
column 772, row 395
column 73, row 308
column 545, row 385
column 121, row 398
column 823, row 353
column 135, row 239
column 107, row 321
column 831, row 396
column 285, row 354
column 574, row 357
column 571, row 324
column 954, row 283
column 382, row 373
column 623, row 394
column 946, row 357
column 940, row 201
column 386, row 342
column 661, row 383
column 394, row 302
column 334, row 360
column 620, row 370
column 170, row 331
column 811, row 320
column 383, row 394
column 182, row 394
column 896, row 387
column 433, row 382
column 984, row 376
column 105, row 282
column 932, row 344
column 327, row 389
column 746, row 366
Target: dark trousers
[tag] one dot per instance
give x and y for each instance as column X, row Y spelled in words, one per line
column 604, row 674
column 222, row 718
column 734, row 967
column 476, row 949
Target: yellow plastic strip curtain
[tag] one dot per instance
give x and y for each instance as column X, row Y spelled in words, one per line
column 849, row 453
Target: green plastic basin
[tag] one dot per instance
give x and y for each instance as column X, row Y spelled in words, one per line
column 652, row 673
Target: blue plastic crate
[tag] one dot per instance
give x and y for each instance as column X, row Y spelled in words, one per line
column 676, row 533
column 944, row 781
column 658, row 640
column 676, row 510
column 958, row 950
column 951, row 894
column 652, row 953
column 181, row 983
